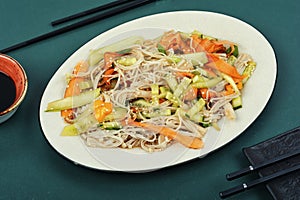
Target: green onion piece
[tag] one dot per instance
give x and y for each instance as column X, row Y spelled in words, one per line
column 161, row 49
column 235, row 52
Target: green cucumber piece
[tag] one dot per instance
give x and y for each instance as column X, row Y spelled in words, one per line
column 237, row 103
column 73, row 101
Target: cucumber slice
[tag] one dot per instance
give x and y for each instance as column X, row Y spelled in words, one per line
column 73, row 101
column 237, row 103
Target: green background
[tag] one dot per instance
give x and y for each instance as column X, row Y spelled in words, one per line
column 31, row 169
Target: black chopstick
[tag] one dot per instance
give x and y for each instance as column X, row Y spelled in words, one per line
column 266, row 163
column 246, row 186
column 89, row 12
column 125, row 7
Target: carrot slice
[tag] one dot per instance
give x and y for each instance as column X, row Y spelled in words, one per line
column 223, row 66
column 73, row 88
column 206, row 94
column 188, row 141
column 185, row 74
column 105, row 79
column 224, row 42
column 207, row 45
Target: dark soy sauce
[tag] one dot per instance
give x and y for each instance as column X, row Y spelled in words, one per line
column 7, row 90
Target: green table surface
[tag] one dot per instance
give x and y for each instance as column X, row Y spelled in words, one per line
column 31, row 169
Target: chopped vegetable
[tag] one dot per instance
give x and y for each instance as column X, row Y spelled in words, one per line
column 185, row 82
column 188, row 141
column 106, row 78
column 231, row 82
column 249, row 70
column 229, row 111
column 73, row 88
column 102, row 109
column 96, row 55
column 80, row 126
column 73, row 101
column 112, row 125
column 233, row 50
column 198, row 58
column 191, row 93
column 197, row 107
column 172, row 82
column 161, row 49
column 207, row 83
column 222, row 66
column 237, row 103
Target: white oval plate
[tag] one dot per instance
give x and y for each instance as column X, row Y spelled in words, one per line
column 256, row 93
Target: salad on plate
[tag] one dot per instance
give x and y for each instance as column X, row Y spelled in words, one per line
column 150, row 93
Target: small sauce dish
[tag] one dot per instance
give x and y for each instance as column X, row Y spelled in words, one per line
column 13, row 86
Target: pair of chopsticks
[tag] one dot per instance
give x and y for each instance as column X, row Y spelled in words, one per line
column 115, row 7
column 262, row 180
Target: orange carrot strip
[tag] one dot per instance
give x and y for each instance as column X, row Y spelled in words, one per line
column 203, row 92
column 73, row 88
column 210, row 46
column 185, row 74
column 106, row 74
column 188, row 141
column 228, row 90
column 196, row 43
column 223, row 42
column 239, row 84
column 224, row 67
